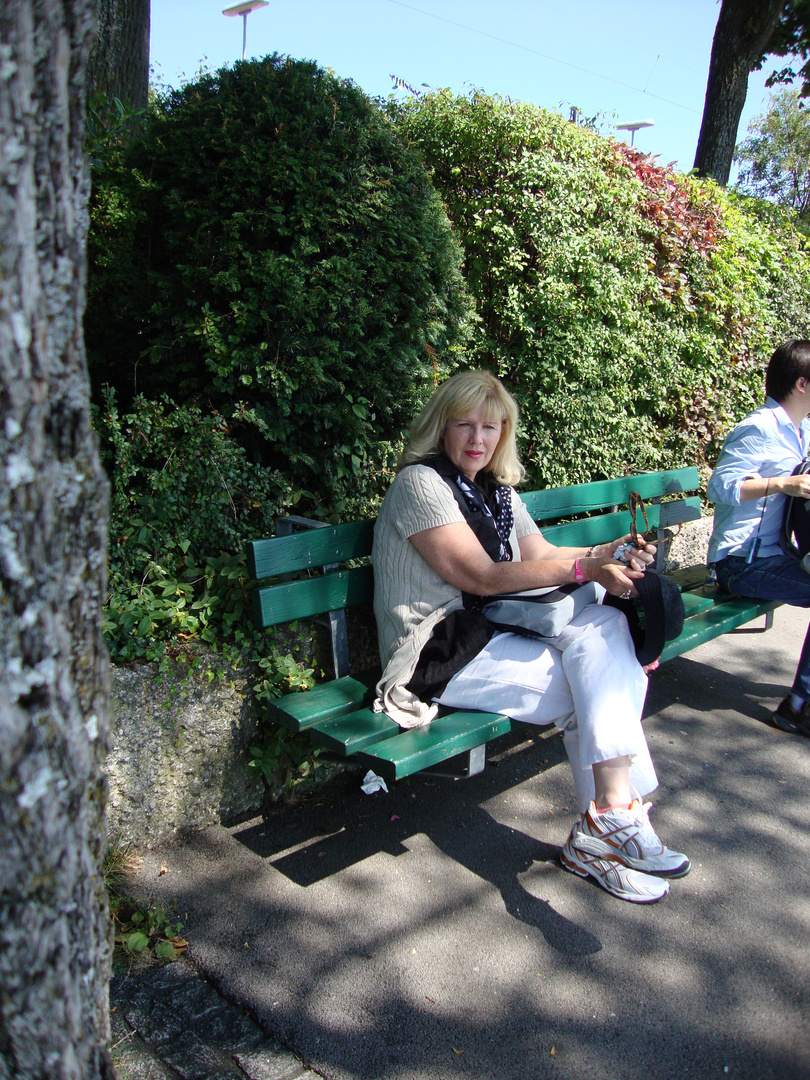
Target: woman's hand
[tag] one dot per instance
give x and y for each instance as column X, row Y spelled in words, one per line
column 616, row 577
column 640, row 557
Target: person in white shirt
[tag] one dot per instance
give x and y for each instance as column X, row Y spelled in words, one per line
column 750, row 485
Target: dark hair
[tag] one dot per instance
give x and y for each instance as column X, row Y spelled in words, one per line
column 790, row 362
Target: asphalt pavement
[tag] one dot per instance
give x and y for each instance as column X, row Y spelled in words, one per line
column 430, row 933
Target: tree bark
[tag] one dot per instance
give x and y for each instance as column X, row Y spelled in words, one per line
column 743, row 30
column 119, row 62
column 55, row 935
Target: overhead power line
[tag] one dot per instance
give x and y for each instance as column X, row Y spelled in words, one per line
column 544, row 56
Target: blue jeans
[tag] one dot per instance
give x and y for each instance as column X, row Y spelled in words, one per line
column 776, row 578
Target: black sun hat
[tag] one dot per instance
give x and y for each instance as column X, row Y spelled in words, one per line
column 655, row 616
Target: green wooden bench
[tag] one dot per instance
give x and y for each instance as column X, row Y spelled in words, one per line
column 310, row 578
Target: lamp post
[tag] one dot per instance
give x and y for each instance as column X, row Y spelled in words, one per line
column 634, row 126
column 244, row 9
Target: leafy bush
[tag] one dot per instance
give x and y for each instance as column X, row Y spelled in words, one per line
column 184, row 498
column 269, row 239
column 631, row 309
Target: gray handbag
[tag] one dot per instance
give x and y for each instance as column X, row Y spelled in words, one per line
column 541, row 612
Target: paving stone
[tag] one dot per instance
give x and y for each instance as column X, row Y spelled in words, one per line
column 194, row 1059
column 168, row 1023
column 267, row 1064
column 232, row 1029
column 155, row 1022
column 132, row 1058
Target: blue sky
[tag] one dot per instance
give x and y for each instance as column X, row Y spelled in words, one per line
column 626, row 59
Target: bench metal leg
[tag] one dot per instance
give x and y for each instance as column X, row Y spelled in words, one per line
column 336, row 623
column 768, row 621
column 462, row 766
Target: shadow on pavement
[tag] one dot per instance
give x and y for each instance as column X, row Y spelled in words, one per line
column 429, row 933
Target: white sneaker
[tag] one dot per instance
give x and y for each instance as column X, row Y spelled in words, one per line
column 612, row 874
column 628, row 836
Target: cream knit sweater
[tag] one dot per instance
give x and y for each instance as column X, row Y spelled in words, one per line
column 410, row 598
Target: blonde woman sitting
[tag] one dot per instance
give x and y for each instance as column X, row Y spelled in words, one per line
column 452, row 529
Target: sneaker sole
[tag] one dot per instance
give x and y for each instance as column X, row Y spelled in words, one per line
column 581, row 869
column 592, row 845
column 785, row 725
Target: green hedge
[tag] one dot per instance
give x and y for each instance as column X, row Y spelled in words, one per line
column 275, row 288
column 630, row 308
column 269, row 242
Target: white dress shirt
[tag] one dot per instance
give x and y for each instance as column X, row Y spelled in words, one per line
column 766, row 443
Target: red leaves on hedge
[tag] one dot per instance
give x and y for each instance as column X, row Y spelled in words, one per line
column 684, row 220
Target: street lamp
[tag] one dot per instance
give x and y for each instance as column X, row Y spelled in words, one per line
column 244, row 9
column 634, row 126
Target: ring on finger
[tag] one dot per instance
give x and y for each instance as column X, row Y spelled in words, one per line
column 625, row 595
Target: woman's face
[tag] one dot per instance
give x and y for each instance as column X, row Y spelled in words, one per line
column 471, row 441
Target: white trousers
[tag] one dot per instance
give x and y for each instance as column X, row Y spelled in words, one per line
column 587, row 681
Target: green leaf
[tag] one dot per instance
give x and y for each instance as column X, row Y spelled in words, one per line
column 136, row 942
column 164, row 950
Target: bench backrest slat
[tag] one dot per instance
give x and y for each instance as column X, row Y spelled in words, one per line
column 285, row 601
column 585, row 498
column 601, row 528
column 292, row 600
column 310, row 549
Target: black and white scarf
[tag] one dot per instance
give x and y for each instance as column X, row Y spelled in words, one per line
column 485, row 504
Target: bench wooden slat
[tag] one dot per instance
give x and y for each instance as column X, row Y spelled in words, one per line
column 345, row 735
column 583, row 498
column 311, row 548
column 291, row 600
column 725, row 615
column 420, row 748
column 297, row 712
column 695, row 602
column 601, row 528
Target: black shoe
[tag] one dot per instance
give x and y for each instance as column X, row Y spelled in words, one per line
column 795, row 721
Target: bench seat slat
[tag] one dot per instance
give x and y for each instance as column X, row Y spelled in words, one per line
column 724, row 616
column 695, row 602
column 297, row 712
column 345, row 735
column 419, row 748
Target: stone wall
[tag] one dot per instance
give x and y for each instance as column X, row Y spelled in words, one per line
column 689, row 547
column 181, row 744
column 180, row 753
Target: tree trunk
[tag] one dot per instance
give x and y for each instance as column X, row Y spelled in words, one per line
column 119, row 62
column 55, row 937
column 744, row 28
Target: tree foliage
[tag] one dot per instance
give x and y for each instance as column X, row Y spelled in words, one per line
column 791, row 37
column 270, row 247
column 628, row 307
column 775, row 156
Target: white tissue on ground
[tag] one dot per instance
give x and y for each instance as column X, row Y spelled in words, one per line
column 372, row 783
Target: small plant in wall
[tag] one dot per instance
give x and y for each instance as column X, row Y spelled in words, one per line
column 142, row 932
column 152, row 931
column 286, row 758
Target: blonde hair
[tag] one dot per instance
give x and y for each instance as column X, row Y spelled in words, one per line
column 461, row 395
